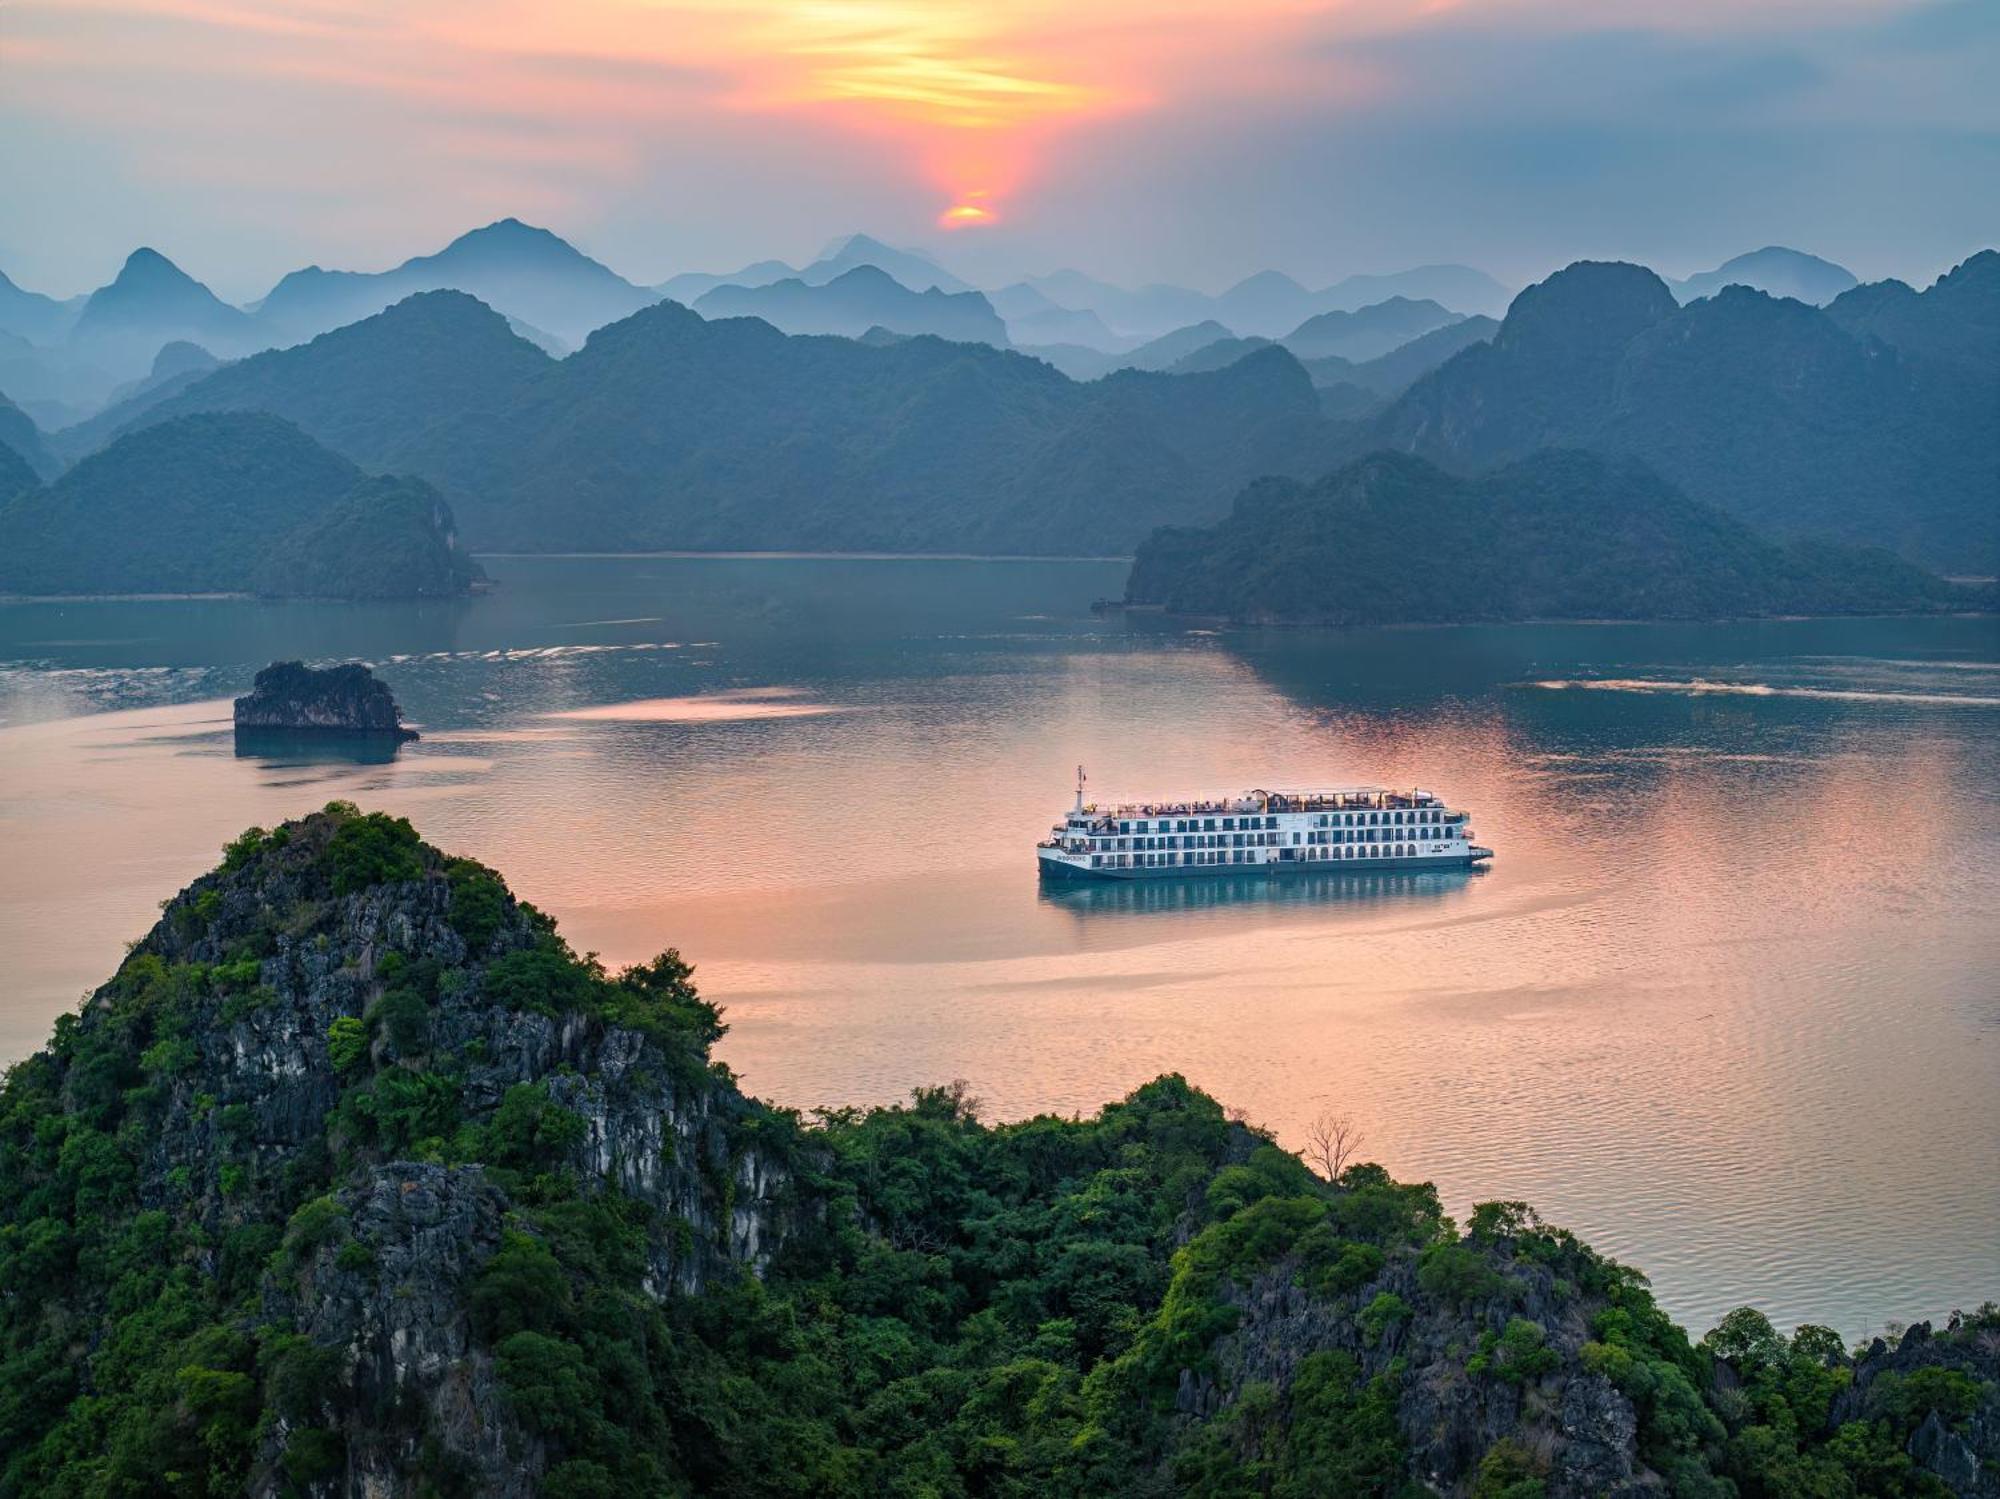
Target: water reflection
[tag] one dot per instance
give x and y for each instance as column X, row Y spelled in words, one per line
column 1178, row 897
column 288, row 748
column 1724, row 1001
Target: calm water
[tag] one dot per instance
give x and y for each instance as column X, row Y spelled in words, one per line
column 1727, row 1002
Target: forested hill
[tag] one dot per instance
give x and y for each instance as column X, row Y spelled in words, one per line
column 230, row 503
column 367, row 389
column 1558, row 535
column 356, row 1179
column 1870, row 421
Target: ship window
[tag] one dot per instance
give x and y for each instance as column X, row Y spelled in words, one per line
column 1270, row 822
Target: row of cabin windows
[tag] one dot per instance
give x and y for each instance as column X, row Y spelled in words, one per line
column 1192, row 857
column 1173, row 841
column 1418, row 817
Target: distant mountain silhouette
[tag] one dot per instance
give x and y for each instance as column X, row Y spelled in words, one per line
column 16, row 477
column 1392, row 373
column 1766, row 408
column 179, row 361
column 34, row 317
column 1392, row 539
column 367, row 388
column 1774, row 270
column 516, row 268
column 1218, row 355
column 1957, row 319
column 154, row 302
column 1060, row 325
column 24, row 439
column 229, row 503
column 1020, row 300
column 690, row 286
column 1545, row 377
column 177, row 366
column 910, row 268
column 1268, row 303
column 1367, row 332
column 1209, row 345
column 857, row 300
column 1170, row 348
column 1149, row 311
column 1459, row 287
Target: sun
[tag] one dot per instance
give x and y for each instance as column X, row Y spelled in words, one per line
column 966, row 216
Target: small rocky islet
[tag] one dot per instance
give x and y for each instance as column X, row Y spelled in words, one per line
column 290, row 697
column 356, row 1179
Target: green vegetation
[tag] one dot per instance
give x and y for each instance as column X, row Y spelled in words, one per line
column 206, row 1261
column 1560, row 535
column 389, row 538
column 228, row 503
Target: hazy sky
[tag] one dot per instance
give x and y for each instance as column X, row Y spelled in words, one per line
column 1136, row 139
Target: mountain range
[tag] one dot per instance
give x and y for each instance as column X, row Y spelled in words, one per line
column 1775, row 270
column 1352, row 337
column 912, row 268
column 65, row 360
column 526, row 272
column 856, row 300
column 668, row 430
column 1868, row 421
column 1267, row 304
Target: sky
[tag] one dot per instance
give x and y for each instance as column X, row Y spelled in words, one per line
column 1137, row 140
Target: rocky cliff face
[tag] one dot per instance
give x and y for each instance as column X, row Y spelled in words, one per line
column 290, row 696
column 342, row 1033
column 1452, row 1412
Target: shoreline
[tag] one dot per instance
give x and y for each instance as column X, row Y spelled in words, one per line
column 796, row 556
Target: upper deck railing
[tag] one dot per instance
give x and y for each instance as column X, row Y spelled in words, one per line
column 1340, row 799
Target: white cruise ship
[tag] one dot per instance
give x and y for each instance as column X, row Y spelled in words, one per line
column 1264, row 832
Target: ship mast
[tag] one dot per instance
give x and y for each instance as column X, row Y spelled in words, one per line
column 1080, row 778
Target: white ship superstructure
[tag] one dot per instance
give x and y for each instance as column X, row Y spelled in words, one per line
column 1262, row 832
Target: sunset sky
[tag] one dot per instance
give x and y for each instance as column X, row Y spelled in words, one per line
column 1134, row 140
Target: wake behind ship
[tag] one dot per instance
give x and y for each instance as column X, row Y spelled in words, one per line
column 1262, row 832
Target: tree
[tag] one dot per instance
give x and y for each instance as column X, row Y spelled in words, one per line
column 1331, row 1142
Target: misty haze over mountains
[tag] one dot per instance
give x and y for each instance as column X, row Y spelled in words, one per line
column 873, row 400
column 63, row 360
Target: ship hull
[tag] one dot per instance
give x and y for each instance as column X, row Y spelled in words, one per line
column 1057, row 870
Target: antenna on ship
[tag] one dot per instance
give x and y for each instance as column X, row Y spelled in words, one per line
column 1080, row 779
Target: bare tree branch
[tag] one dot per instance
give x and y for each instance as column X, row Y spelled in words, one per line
column 1332, row 1140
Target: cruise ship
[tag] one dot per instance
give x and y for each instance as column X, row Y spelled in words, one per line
column 1263, row 832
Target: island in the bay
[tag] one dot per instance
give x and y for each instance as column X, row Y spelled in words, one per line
column 1394, row 539
column 356, row 1179
column 291, row 697
column 231, row 503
